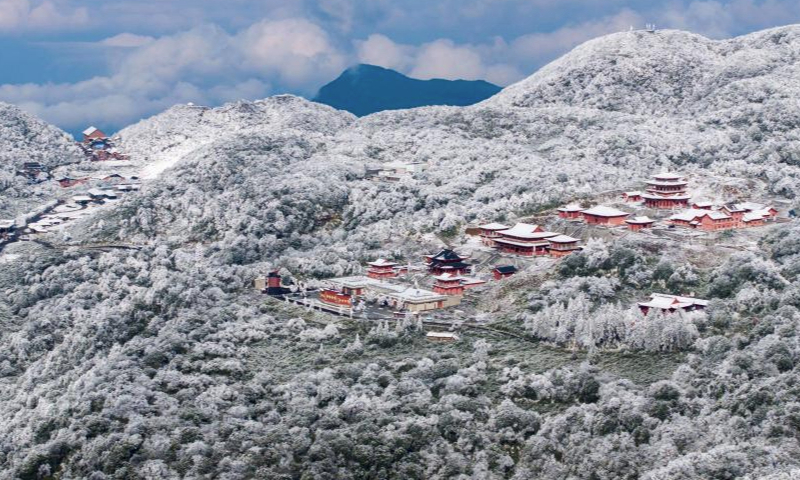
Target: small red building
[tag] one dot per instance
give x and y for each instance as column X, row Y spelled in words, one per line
column 524, row 239
column 334, row 297
column 639, row 223
column 709, row 220
column 381, row 268
column 570, row 211
column 448, row 284
column 704, row 205
column 93, row 133
column 503, row 271
column 490, row 232
column 632, row 196
column 602, row 215
column 563, row 245
column 666, row 190
column 66, row 182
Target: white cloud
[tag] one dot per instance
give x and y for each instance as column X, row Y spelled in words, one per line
column 444, row 59
column 296, row 49
column 382, row 51
column 126, row 40
column 205, row 65
column 19, row 15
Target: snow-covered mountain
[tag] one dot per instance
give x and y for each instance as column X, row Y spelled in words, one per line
column 157, row 362
column 160, row 141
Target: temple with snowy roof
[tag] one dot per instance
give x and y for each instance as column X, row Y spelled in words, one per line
column 666, row 191
column 672, row 303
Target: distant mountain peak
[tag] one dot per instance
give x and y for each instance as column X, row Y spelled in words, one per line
column 363, row 89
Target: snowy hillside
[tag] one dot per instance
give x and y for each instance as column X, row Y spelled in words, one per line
column 24, row 138
column 160, row 141
column 148, row 355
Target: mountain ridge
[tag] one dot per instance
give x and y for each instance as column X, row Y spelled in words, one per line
column 364, row 89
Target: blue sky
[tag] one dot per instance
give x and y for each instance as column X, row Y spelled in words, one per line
column 75, row 62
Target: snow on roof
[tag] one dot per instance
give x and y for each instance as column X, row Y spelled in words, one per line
column 472, row 281
column 494, row 226
column 522, row 230
column 644, row 219
column 749, row 206
column 357, row 281
column 563, row 239
column 667, row 176
column 704, row 203
column 382, row 262
column 666, row 301
column 634, row 193
column 693, row 214
column 522, row 244
column 604, row 211
column 756, row 215
column 6, row 223
column 733, row 207
column 442, row 335
column 417, row 295
column 89, row 131
column 82, row 198
column 572, row 207
column 448, row 277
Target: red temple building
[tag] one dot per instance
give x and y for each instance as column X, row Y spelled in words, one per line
column 749, row 214
column 639, row 223
column 334, row 297
column 709, row 220
column 570, row 211
column 503, row 271
column 602, row 215
column 632, row 196
column 93, row 133
column 666, row 190
column 490, row 232
column 563, row 245
column 703, row 205
column 447, row 261
column 448, row 284
column 672, row 303
column 524, row 239
column 381, row 268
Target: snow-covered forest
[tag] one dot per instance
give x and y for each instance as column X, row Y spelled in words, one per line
column 160, row 362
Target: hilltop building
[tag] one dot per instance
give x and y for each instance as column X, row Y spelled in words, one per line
column 448, row 284
column 666, row 190
column 447, row 261
column 381, row 268
column 602, row 215
column 271, row 284
column 490, row 232
column 334, row 297
column 635, row 196
column 672, row 303
column 570, row 211
column 563, row 245
column 524, row 239
column 441, row 337
column 708, row 220
column 639, row 223
column 93, row 133
column 503, row 271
